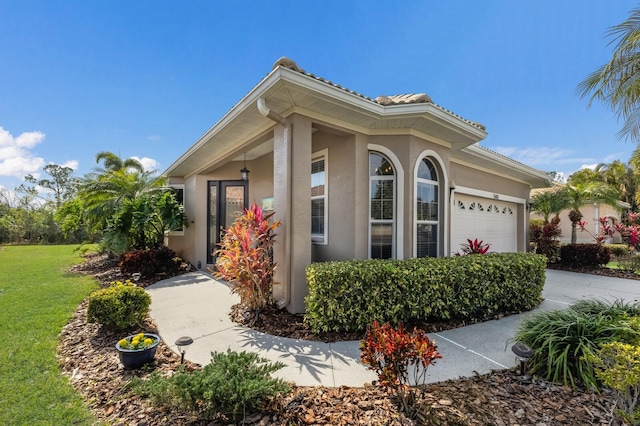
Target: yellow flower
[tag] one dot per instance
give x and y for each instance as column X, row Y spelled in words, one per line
column 122, row 343
column 148, row 341
column 140, row 335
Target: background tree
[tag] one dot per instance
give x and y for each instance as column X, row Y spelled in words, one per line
column 617, row 83
column 133, row 206
column 578, row 194
column 549, row 201
column 61, row 185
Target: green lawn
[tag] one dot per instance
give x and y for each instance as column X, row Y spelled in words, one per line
column 37, row 298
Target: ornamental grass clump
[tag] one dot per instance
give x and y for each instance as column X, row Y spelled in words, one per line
column 397, row 356
column 564, row 340
column 120, row 306
column 244, row 258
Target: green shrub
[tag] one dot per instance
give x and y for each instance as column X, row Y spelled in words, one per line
column 617, row 250
column 563, row 340
column 397, row 356
column 348, row 296
column 150, row 262
column 234, row 383
column 618, row 367
column 629, row 262
column 590, row 255
column 120, row 306
column 615, row 310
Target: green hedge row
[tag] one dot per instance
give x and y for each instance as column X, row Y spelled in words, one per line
column 348, row 296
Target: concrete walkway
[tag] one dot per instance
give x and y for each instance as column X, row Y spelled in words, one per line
column 196, row 305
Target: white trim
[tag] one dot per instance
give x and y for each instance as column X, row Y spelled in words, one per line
column 443, row 189
column 323, row 155
column 489, row 195
column 399, row 189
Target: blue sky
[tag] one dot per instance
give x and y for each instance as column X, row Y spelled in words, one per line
column 145, row 79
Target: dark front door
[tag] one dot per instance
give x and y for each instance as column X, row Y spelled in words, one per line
column 226, row 199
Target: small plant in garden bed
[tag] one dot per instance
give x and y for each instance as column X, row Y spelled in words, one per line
column 234, row 383
column 617, row 365
column 473, row 247
column 244, row 258
column 564, row 340
column 120, row 306
column 137, row 342
column 397, row 356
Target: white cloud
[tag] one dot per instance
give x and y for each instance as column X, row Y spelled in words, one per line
column 148, row 163
column 153, row 138
column 542, row 156
column 589, row 166
column 72, row 164
column 15, row 157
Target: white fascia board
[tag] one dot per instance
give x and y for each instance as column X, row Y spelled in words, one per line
column 487, row 194
column 247, row 101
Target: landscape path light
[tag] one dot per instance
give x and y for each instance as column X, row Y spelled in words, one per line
column 182, row 344
column 523, row 352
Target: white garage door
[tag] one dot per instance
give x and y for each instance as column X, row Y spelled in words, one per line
column 492, row 221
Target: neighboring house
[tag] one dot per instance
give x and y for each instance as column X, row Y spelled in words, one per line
column 349, row 177
column 591, row 214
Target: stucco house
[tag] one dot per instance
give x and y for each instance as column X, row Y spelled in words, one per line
column 591, row 214
column 349, row 177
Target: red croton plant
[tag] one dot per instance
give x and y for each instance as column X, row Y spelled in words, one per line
column 473, row 247
column 629, row 230
column 397, row 356
column 244, row 258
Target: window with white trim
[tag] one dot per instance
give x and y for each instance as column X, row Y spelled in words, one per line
column 178, row 190
column 427, row 210
column 319, row 197
column 382, row 207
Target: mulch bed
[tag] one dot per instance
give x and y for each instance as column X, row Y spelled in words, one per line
column 87, row 355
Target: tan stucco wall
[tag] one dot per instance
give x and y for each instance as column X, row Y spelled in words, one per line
column 590, row 214
column 192, row 246
column 341, row 195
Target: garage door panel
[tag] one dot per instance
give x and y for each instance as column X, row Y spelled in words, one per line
column 494, row 222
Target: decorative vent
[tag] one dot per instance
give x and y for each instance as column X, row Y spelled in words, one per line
column 496, row 209
column 480, row 207
column 472, row 206
column 461, row 205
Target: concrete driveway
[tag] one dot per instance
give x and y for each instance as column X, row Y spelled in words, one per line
column 196, row 305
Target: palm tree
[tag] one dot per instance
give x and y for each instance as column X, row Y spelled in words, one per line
column 617, row 83
column 620, row 176
column 112, row 194
column 582, row 193
column 548, row 201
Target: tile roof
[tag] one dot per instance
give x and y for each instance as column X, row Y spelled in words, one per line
column 409, row 98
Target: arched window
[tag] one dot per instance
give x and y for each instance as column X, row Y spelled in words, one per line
column 427, row 210
column 382, row 207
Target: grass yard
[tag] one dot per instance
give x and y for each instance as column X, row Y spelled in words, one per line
column 37, row 298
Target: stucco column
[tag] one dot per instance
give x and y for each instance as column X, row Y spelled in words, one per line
column 361, row 202
column 292, row 202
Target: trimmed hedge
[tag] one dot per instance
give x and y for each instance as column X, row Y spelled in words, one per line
column 617, row 250
column 120, row 306
column 591, row 255
column 348, row 296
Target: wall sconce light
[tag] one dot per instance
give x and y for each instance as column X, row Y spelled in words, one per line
column 523, row 352
column 244, row 172
column 182, row 344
